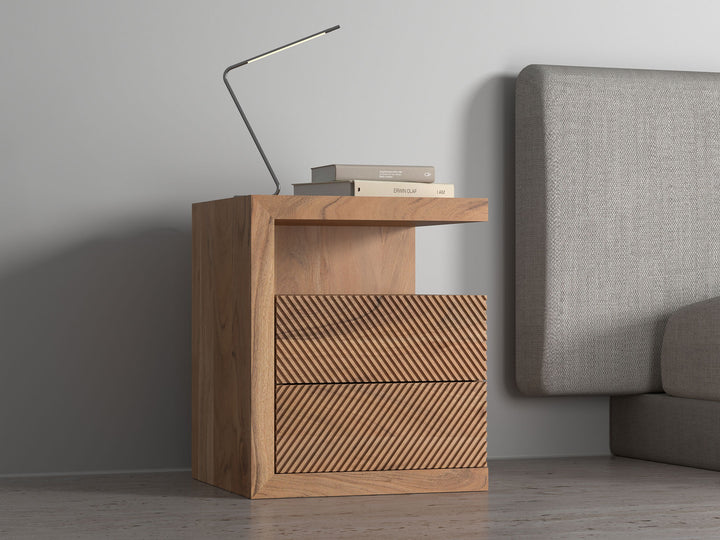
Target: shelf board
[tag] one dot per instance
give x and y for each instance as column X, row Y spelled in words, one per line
column 380, row 211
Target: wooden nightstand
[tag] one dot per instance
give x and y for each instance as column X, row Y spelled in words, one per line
column 316, row 369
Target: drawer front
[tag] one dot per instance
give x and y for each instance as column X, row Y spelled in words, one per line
column 380, row 338
column 378, row 427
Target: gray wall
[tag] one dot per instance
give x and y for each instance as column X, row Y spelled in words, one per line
column 115, row 119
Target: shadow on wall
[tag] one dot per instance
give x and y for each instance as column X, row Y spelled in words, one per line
column 490, row 170
column 95, row 357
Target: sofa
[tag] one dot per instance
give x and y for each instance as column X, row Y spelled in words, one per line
column 618, row 251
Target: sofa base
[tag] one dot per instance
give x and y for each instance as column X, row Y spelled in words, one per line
column 659, row 427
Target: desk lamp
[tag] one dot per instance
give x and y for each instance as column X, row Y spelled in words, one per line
column 239, row 108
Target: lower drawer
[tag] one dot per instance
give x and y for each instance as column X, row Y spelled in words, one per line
column 380, row 426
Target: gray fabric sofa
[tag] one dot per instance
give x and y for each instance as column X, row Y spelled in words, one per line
column 618, row 251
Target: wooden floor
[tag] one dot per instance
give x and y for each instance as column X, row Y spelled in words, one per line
column 559, row 498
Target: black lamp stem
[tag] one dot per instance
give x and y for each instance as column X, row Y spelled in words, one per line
column 252, row 133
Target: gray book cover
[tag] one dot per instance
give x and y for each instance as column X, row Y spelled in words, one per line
column 386, row 173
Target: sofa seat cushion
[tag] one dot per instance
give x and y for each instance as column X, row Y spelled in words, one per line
column 690, row 357
column 668, row 429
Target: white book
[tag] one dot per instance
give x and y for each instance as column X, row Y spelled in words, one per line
column 375, row 188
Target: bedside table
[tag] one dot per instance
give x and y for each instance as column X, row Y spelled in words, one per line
column 316, row 369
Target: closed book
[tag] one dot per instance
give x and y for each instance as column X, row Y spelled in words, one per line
column 373, row 188
column 390, row 173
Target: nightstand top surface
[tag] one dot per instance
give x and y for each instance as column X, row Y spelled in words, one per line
column 387, row 211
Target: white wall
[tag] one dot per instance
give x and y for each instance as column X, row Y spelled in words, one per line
column 115, row 119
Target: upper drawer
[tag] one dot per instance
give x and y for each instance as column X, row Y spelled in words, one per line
column 380, row 338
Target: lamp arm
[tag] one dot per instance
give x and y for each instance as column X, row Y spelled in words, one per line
column 247, row 123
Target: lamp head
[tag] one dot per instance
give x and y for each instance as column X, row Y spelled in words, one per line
column 298, row 42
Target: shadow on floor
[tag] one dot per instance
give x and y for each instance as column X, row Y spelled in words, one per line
column 153, row 484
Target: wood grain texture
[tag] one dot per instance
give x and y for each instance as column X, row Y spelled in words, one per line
column 374, row 483
column 388, row 211
column 261, row 324
column 221, row 356
column 380, row 338
column 344, row 260
column 380, row 427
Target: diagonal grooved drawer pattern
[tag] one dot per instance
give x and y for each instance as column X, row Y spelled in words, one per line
column 382, row 426
column 380, row 338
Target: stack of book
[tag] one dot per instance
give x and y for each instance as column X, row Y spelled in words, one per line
column 375, row 181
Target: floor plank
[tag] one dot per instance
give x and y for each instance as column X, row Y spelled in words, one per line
column 599, row 497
